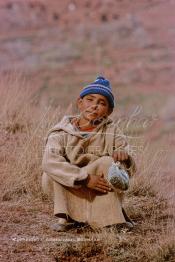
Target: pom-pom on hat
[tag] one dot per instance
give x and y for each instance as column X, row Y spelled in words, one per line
column 101, row 86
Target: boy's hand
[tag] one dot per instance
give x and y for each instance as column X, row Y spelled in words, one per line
column 98, row 183
column 120, row 155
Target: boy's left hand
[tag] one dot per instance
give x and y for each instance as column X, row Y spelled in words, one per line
column 120, row 155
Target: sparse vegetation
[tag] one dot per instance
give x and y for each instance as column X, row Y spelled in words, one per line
column 27, row 212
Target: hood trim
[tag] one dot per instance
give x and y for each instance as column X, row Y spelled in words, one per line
column 65, row 125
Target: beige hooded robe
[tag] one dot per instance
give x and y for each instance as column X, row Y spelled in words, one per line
column 69, row 156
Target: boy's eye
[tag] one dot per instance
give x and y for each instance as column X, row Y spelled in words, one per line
column 89, row 99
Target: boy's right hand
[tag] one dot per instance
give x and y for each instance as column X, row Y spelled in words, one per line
column 98, row 183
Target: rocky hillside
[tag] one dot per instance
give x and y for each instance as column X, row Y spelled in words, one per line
column 32, row 14
column 133, row 42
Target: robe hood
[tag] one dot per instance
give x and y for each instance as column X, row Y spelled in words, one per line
column 66, row 125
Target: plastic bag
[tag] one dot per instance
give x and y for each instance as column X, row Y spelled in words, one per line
column 118, row 177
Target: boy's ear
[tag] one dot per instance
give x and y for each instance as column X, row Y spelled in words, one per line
column 110, row 110
column 79, row 102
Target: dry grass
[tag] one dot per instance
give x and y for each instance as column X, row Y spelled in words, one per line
column 22, row 129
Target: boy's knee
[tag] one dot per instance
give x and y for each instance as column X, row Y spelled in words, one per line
column 103, row 164
column 105, row 160
column 47, row 184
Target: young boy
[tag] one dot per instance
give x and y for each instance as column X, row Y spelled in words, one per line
column 79, row 152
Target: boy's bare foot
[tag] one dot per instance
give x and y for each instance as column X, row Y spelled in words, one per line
column 127, row 226
column 64, row 225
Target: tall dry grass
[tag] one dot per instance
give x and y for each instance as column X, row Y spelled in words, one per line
column 23, row 126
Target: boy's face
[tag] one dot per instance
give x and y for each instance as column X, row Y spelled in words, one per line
column 94, row 106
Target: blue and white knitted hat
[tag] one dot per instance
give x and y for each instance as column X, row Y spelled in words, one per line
column 100, row 86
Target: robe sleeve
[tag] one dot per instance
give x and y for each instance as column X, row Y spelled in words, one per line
column 55, row 164
column 121, row 143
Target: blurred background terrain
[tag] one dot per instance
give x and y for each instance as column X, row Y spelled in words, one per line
column 49, row 50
